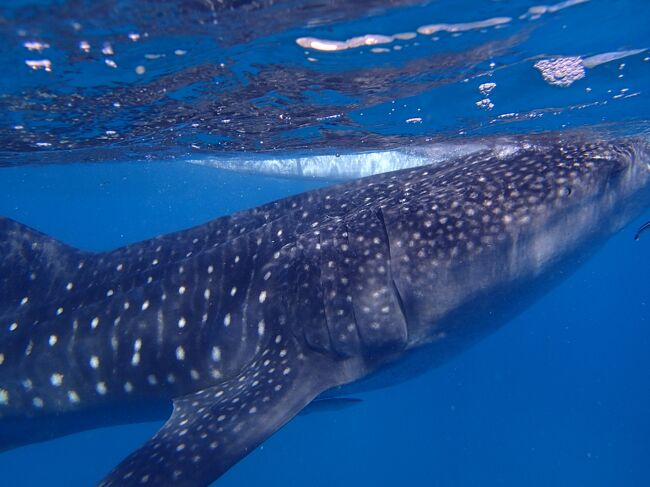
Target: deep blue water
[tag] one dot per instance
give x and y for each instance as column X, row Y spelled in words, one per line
column 559, row 396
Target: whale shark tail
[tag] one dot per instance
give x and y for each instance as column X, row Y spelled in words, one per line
column 33, row 266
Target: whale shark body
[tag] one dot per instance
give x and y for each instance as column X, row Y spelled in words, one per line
column 242, row 322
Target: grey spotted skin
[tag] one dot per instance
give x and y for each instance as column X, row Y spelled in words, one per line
column 241, row 322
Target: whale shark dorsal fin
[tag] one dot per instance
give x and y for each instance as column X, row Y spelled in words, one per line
column 214, row 428
column 33, row 264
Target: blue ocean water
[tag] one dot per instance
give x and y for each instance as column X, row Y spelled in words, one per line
column 559, row 396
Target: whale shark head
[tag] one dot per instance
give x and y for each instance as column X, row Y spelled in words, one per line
column 475, row 232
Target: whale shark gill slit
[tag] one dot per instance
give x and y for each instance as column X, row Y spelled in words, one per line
column 393, row 283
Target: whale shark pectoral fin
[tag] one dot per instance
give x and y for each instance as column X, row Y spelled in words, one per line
column 214, row 428
column 327, row 404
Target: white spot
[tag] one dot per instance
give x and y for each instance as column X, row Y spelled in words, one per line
column 37, row 402
column 210, row 269
column 56, row 379
column 110, row 292
column 94, row 323
column 216, row 354
column 120, row 267
column 101, row 388
column 145, row 305
column 152, row 380
column 267, row 276
column 135, row 360
column 180, row 447
column 252, row 410
column 154, row 262
column 260, row 327
column 286, row 371
column 262, row 297
column 73, row 396
column 180, row 353
column 194, row 374
column 24, row 301
column 233, row 291
column 28, row 384
column 181, row 290
column 182, row 322
column 2, row 358
column 137, row 345
column 52, row 340
column 59, row 311
column 126, row 305
column 128, row 387
column 4, row 397
column 69, row 286
column 226, row 320
column 13, row 326
column 283, row 352
column 94, row 361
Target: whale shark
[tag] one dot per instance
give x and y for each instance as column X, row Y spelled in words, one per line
column 232, row 328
